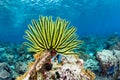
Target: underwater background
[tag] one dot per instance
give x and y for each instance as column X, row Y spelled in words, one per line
column 98, row 17
column 97, row 23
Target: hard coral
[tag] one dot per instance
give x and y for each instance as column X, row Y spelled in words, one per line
column 109, row 61
column 113, row 42
column 20, row 67
column 4, row 71
column 71, row 69
column 91, row 64
column 106, row 56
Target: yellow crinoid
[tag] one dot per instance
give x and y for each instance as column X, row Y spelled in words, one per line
column 46, row 34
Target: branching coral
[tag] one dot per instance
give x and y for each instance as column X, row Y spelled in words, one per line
column 46, row 34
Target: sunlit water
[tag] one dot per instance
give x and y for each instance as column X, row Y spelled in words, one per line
column 89, row 16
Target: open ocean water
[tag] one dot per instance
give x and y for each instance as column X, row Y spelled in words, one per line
column 100, row 17
column 97, row 23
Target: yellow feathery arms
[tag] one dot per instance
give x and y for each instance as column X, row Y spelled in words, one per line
column 46, row 34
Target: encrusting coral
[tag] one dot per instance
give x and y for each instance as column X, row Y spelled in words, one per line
column 47, row 38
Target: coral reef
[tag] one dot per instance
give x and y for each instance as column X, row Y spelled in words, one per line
column 15, row 54
column 91, row 45
column 20, row 67
column 91, row 64
column 15, row 58
column 106, row 56
column 109, row 62
column 93, row 48
column 98, row 54
column 70, row 68
column 113, row 42
column 2, row 49
column 5, row 72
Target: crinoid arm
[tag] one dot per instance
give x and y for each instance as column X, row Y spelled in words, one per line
column 46, row 34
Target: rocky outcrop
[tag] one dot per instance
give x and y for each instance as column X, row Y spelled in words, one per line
column 5, row 72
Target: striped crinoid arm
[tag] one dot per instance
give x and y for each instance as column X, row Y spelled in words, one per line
column 68, row 41
column 38, row 35
column 46, row 34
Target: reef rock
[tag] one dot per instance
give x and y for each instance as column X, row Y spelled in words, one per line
column 106, row 56
column 113, row 42
column 109, row 61
column 69, row 68
column 91, row 64
column 4, row 71
column 2, row 49
column 20, row 67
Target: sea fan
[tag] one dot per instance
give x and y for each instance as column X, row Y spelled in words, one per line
column 46, row 34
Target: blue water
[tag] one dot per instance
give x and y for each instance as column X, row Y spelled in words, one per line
column 98, row 17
